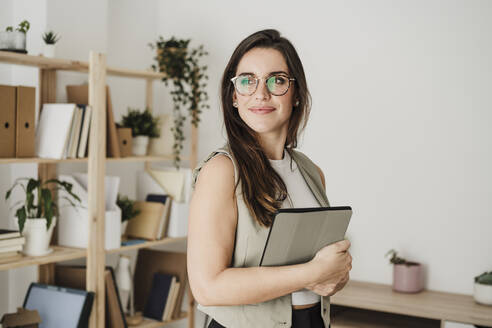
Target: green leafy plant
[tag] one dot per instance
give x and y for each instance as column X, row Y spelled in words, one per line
column 394, row 257
column 141, row 123
column 22, row 27
column 181, row 66
column 38, row 202
column 127, row 208
column 484, row 279
column 50, row 37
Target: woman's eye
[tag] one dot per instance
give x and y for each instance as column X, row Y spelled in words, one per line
column 247, row 81
column 280, row 80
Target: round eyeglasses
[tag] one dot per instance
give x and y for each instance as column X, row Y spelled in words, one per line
column 277, row 84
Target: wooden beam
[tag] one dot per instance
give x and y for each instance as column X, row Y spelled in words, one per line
column 96, row 173
column 46, row 171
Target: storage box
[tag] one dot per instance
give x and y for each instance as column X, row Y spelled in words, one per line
column 73, row 227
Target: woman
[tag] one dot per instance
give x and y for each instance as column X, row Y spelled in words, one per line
column 238, row 188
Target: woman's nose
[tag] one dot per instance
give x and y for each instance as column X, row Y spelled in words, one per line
column 262, row 91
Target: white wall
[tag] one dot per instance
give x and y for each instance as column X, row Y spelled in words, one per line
column 399, row 109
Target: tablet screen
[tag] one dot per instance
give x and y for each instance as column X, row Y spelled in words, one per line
column 58, row 307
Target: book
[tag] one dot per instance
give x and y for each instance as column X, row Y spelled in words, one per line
column 10, row 248
column 150, row 261
column 171, row 180
column 6, row 234
column 159, row 294
column 12, row 242
column 171, row 301
column 166, row 201
column 81, row 127
column 9, row 255
column 84, row 133
column 53, row 130
column 73, row 140
column 80, row 95
column 147, row 223
column 130, row 242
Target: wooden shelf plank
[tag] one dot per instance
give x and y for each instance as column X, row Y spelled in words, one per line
column 149, row 323
column 71, row 65
column 357, row 318
column 147, row 244
column 426, row 304
column 59, row 254
column 84, row 160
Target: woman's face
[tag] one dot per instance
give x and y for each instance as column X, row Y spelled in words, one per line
column 263, row 112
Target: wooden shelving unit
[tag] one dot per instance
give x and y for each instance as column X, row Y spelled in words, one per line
column 364, row 304
column 58, row 254
column 84, row 160
column 47, row 169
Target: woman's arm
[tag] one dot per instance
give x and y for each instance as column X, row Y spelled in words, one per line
column 211, row 233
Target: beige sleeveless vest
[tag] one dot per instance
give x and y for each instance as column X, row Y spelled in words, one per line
column 250, row 239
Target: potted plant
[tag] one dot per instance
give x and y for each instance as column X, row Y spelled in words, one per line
column 181, row 65
column 482, row 291
column 407, row 276
column 144, row 126
column 128, row 211
column 36, row 214
column 15, row 40
column 50, row 39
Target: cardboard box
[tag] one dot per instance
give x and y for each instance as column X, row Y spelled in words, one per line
column 22, row 319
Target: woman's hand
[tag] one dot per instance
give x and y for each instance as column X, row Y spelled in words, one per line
column 330, row 268
column 327, row 288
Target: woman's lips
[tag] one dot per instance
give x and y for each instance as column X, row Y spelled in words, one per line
column 262, row 110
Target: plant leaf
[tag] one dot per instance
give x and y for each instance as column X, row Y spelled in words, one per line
column 21, row 217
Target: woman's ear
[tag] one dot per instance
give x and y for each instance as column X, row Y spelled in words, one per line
column 234, row 100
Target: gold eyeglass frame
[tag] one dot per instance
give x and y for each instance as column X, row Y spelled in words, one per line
column 257, row 80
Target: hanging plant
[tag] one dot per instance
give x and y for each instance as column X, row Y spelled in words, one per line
column 182, row 68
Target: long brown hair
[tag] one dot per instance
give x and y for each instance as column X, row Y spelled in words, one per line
column 263, row 189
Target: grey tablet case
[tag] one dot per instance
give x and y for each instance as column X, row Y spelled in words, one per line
column 297, row 234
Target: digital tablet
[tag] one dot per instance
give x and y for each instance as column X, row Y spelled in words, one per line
column 59, row 307
column 297, row 234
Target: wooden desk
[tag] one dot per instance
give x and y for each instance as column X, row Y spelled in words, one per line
column 371, row 305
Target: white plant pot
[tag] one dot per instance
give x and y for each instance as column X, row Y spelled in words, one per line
column 74, row 224
column 139, row 146
column 37, row 237
column 14, row 40
column 49, row 50
column 123, row 227
column 482, row 294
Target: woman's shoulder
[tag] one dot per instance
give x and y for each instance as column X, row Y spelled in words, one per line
column 303, row 160
column 218, row 164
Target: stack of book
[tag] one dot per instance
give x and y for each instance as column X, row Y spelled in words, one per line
column 11, row 243
column 163, row 297
column 63, row 131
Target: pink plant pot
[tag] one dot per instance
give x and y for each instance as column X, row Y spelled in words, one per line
column 408, row 278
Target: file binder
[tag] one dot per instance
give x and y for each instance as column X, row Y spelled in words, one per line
column 25, row 132
column 7, row 121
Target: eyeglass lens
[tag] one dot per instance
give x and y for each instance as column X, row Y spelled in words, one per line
column 276, row 84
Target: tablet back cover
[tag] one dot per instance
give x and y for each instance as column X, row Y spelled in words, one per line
column 297, row 234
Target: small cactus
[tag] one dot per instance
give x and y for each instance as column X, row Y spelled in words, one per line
column 484, row 279
column 394, row 257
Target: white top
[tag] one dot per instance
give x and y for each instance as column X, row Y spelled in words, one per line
column 299, row 195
